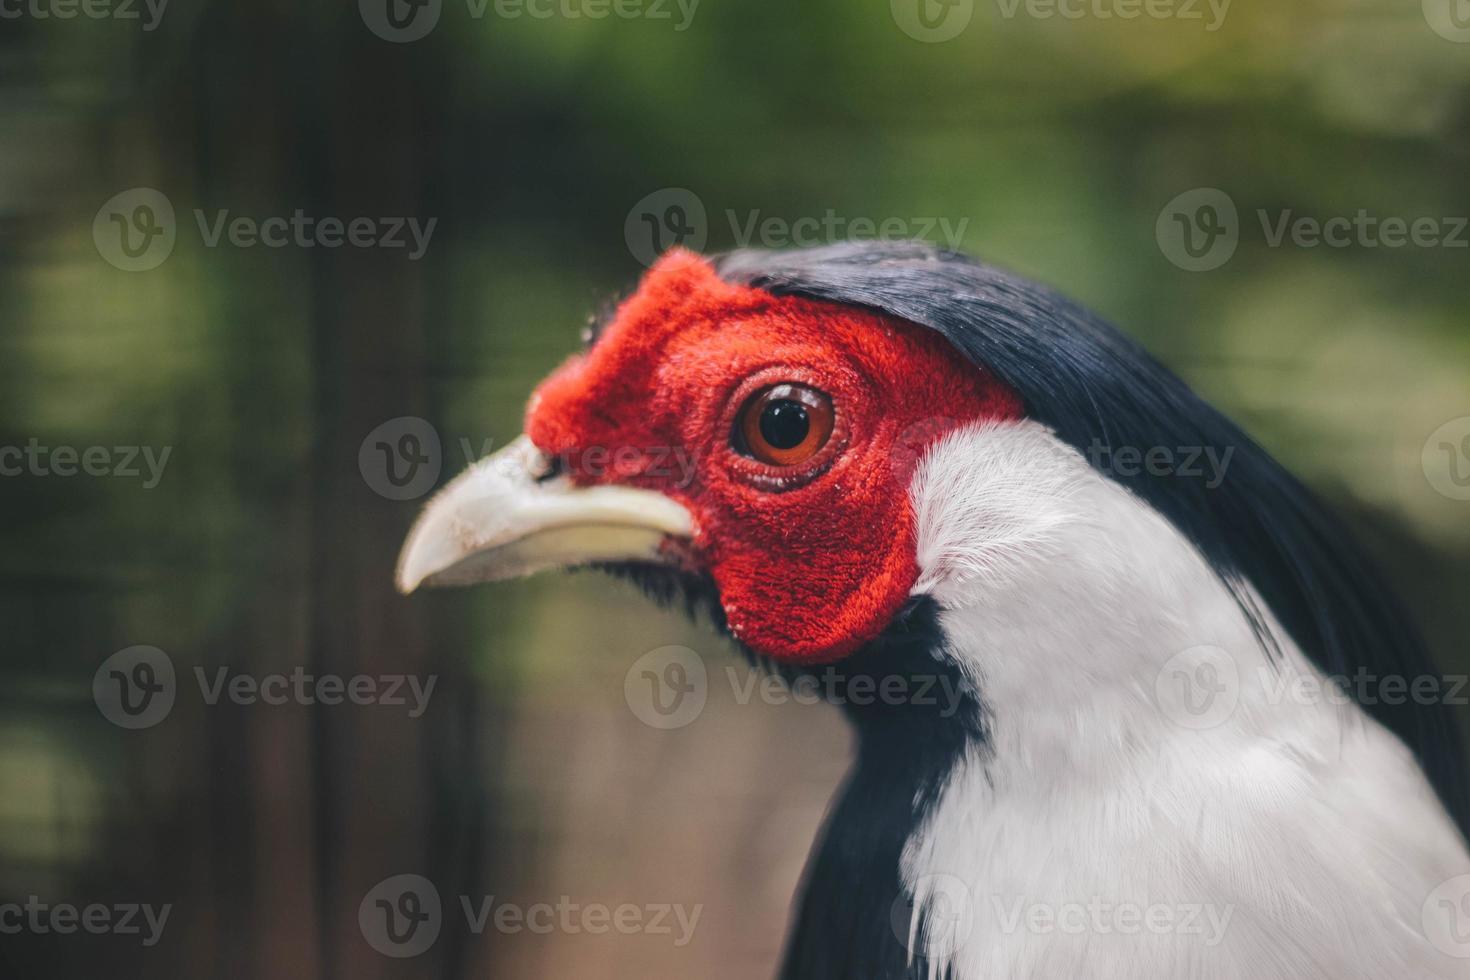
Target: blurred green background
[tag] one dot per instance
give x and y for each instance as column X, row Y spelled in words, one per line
column 1049, row 144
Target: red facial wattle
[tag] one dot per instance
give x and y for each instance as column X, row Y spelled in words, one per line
column 813, row 559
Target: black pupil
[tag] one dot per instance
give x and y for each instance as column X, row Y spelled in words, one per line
column 784, row 424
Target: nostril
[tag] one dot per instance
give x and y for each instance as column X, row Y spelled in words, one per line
column 532, row 462
column 546, row 467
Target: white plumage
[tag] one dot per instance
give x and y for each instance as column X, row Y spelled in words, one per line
column 1110, row 829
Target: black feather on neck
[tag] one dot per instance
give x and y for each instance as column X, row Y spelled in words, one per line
column 852, row 918
column 854, row 915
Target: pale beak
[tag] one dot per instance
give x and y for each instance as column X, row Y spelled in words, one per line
column 510, row 515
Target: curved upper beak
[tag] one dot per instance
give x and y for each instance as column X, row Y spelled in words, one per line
column 512, row 514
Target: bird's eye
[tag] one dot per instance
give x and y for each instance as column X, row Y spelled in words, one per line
column 784, row 425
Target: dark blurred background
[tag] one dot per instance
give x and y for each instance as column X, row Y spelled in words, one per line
column 553, row 154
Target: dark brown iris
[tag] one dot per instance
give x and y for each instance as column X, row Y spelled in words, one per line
column 785, row 425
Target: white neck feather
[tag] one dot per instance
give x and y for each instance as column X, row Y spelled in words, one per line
column 1066, row 597
column 1140, row 744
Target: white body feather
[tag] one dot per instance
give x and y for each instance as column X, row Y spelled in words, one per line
column 1156, row 798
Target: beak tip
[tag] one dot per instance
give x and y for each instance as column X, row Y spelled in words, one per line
column 410, row 573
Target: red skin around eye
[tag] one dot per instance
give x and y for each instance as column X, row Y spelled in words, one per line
column 810, row 564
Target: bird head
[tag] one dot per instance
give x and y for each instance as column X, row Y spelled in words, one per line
column 825, row 439
column 763, row 443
